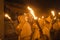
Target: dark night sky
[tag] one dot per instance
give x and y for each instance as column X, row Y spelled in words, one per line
column 44, row 5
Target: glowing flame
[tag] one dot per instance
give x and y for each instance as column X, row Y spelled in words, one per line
column 59, row 13
column 54, row 18
column 42, row 16
column 32, row 12
column 39, row 19
column 6, row 15
column 53, row 13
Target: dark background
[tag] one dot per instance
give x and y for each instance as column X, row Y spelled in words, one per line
column 44, row 4
column 40, row 6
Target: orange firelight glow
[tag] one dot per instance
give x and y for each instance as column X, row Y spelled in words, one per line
column 6, row 15
column 32, row 12
column 53, row 13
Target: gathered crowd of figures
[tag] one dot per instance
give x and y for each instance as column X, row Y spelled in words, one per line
column 30, row 29
column 40, row 29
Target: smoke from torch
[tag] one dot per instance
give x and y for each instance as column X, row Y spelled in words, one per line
column 32, row 12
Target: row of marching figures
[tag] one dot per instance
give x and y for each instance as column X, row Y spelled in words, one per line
column 40, row 29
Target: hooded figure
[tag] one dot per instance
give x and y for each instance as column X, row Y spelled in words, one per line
column 24, row 28
column 36, row 32
column 46, row 26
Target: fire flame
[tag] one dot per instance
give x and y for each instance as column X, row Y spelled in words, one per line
column 53, row 13
column 59, row 13
column 6, row 15
column 32, row 12
column 54, row 18
column 42, row 16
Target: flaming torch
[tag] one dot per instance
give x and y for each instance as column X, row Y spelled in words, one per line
column 7, row 16
column 32, row 12
column 53, row 13
column 35, row 18
column 42, row 17
column 59, row 13
column 54, row 18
